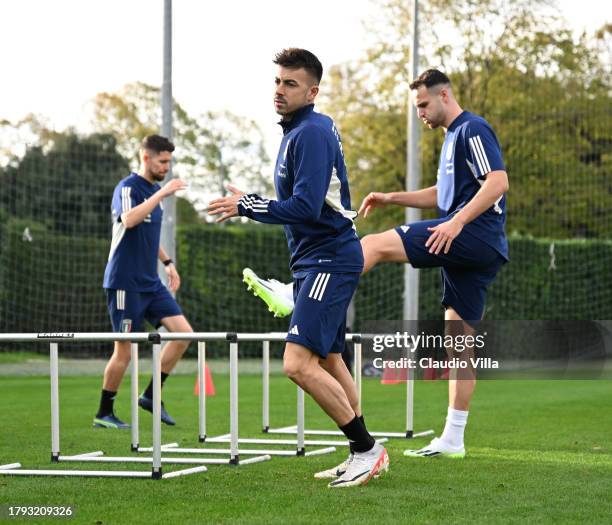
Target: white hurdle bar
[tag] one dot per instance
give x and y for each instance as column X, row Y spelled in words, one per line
column 232, row 437
column 134, row 421
column 173, row 448
column 155, row 460
column 300, row 442
column 357, row 365
column 202, row 387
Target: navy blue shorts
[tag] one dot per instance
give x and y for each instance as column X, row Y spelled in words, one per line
column 467, row 269
column 318, row 321
column 135, row 307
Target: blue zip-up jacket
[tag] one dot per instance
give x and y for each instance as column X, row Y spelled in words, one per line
column 314, row 201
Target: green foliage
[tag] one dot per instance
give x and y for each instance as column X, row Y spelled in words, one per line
column 185, row 212
column 55, row 233
column 66, row 184
column 546, row 280
column 516, row 63
column 43, row 293
column 212, row 294
column 212, row 148
column 211, row 260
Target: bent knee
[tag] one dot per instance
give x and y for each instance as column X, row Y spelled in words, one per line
column 292, row 369
column 297, row 370
column 385, row 246
column 122, row 356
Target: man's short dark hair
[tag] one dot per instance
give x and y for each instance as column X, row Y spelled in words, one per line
column 430, row 78
column 295, row 58
column 157, row 143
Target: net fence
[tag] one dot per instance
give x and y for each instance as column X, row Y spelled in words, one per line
column 55, row 222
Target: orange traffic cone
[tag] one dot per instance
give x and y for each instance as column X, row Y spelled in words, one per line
column 210, row 386
column 393, row 375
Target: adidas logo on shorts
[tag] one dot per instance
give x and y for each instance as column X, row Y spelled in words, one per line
column 294, row 330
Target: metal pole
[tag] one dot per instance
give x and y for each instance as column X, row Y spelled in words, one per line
column 413, row 174
column 233, row 401
column 157, row 473
column 134, row 393
column 202, row 385
column 169, row 218
column 409, row 399
column 266, row 386
column 54, row 375
column 300, row 422
column 357, row 376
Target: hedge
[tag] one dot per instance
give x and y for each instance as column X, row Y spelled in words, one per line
column 53, row 282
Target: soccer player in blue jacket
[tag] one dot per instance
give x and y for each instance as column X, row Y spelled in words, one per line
column 313, row 203
column 134, row 291
column 467, row 241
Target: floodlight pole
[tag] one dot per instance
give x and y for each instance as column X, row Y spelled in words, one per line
column 168, row 231
column 413, row 174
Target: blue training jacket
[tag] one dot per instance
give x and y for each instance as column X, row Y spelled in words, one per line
column 314, row 201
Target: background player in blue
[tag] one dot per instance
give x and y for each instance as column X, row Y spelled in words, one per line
column 467, row 241
column 313, row 202
column 134, row 291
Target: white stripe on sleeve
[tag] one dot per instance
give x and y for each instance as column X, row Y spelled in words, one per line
column 476, row 154
column 483, row 153
column 252, row 203
column 126, row 199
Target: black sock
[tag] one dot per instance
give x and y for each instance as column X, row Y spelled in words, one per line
column 148, row 393
column 107, row 399
column 351, row 447
column 357, row 434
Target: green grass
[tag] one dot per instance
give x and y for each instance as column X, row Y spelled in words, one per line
column 538, row 452
column 21, row 357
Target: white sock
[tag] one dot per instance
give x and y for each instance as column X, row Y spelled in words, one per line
column 454, row 428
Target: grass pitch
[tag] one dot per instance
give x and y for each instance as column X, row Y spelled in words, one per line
column 538, row 452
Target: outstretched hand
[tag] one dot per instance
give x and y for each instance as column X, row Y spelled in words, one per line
column 226, row 207
column 443, row 236
column 373, row 200
column 172, row 186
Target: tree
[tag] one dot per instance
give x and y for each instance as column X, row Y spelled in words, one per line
column 211, row 148
column 515, row 63
column 65, row 182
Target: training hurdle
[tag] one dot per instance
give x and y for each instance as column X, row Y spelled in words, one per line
column 233, row 452
column 156, row 460
column 356, row 339
column 232, row 438
column 299, row 429
column 300, row 442
column 14, row 469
